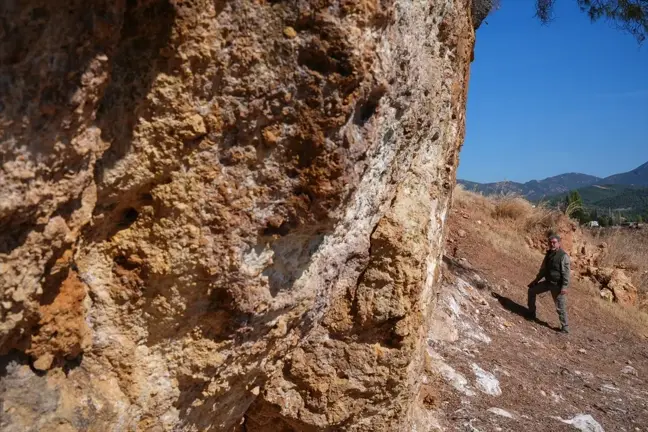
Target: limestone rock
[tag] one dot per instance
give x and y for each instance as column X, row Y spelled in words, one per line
column 210, row 221
column 584, row 423
column 44, row 362
column 607, row 294
column 616, row 281
column 629, row 370
column 501, row 412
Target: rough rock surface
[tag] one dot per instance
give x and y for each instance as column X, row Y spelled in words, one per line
column 222, row 214
column 615, row 282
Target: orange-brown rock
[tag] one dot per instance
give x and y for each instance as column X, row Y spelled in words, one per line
column 62, row 330
column 224, row 214
column 616, row 281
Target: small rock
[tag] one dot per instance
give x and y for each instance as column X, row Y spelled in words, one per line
column 461, row 233
column 464, row 262
column 44, row 362
column 629, row 370
column 194, row 127
column 607, row 295
column 470, row 427
column 290, row 32
column 479, row 222
column 584, row 423
column 609, row 388
column 502, row 371
column 582, row 351
column 500, row 412
column 270, row 137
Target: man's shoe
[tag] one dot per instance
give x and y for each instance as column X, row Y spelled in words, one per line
column 530, row 316
column 564, row 330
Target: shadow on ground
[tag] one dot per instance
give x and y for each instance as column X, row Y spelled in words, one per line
column 518, row 309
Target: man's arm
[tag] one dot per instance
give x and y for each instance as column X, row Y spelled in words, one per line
column 565, row 273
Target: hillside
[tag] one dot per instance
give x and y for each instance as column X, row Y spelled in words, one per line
column 534, row 189
column 491, row 370
column 630, row 200
column 637, row 177
column 626, row 199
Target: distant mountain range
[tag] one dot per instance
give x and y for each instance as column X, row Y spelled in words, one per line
column 626, row 199
column 535, row 190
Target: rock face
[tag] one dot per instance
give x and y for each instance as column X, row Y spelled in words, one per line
column 223, row 214
column 615, row 285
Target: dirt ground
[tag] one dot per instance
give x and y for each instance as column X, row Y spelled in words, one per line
column 600, row 369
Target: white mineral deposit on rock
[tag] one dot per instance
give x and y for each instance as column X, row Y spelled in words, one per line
column 486, row 381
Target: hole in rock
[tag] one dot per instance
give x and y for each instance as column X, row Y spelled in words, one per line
column 367, row 109
column 128, row 218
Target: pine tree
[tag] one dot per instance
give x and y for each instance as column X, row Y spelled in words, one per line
column 629, row 15
column 574, row 206
column 594, row 215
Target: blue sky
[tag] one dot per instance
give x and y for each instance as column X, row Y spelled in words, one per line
column 571, row 96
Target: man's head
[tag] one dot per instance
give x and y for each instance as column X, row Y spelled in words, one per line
column 554, row 242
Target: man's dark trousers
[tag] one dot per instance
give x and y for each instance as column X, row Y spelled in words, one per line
column 559, row 299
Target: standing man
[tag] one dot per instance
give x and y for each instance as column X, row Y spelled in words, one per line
column 555, row 272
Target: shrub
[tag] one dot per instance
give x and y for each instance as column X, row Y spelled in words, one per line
column 512, row 207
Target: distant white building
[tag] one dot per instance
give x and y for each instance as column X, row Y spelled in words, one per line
column 592, row 224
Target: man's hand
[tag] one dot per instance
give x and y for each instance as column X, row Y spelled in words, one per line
column 531, row 284
column 563, row 292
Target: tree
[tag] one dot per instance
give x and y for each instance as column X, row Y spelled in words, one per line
column 604, row 221
column 594, row 215
column 574, row 207
column 629, row 15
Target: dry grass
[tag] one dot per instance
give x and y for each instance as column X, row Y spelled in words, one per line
column 508, row 221
column 512, row 207
column 479, row 205
column 627, row 249
column 512, row 210
column 525, row 216
column 635, row 318
column 543, row 217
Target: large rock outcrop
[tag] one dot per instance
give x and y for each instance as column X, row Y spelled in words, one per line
column 223, row 213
